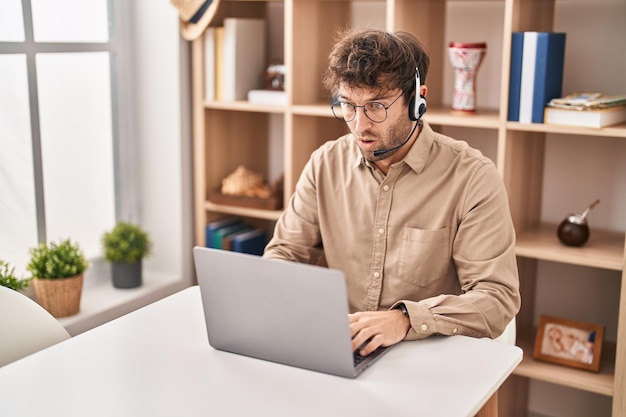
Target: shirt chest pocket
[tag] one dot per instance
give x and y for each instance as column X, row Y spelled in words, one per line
column 424, row 255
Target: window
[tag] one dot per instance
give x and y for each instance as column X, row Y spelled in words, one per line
column 63, row 165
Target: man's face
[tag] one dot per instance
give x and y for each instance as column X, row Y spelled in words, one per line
column 371, row 136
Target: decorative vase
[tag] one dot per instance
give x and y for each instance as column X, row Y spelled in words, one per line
column 126, row 275
column 465, row 58
column 60, row 296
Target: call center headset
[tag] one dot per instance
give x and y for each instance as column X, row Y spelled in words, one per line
column 417, row 107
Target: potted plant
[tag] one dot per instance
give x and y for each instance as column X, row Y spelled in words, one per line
column 9, row 279
column 57, row 270
column 125, row 247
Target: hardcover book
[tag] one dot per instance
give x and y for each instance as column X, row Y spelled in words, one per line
column 252, row 242
column 536, row 74
column 210, row 63
column 587, row 118
column 588, row 101
column 219, row 63
column 273, row 97
column 222, row 233
column 515, row 77
column 244, row 57
column 227, row 240
column 212, row 228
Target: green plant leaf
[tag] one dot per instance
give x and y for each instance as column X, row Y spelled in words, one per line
column 126, row 243
column 57, row 260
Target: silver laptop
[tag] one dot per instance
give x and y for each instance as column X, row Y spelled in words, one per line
column 284, row 312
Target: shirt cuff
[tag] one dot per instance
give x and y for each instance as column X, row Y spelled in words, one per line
column 422, row 321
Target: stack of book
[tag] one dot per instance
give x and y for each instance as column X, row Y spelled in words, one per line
column 272, row 97
column 587, row 110
column 536, row 74
column 234, row 234
column 235, row 58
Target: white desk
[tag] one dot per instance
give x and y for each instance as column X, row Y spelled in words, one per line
column 157, row 361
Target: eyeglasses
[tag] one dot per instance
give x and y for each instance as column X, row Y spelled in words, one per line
column 374, row 110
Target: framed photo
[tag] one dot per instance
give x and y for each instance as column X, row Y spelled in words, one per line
column 569, row 342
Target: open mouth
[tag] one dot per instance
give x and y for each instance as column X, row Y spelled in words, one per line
column 366, row 144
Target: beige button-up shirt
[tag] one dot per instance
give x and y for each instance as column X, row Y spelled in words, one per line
column 435, row 233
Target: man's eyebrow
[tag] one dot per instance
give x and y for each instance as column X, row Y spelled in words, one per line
column 341, row 97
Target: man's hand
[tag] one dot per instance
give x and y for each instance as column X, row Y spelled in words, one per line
column 378, row 328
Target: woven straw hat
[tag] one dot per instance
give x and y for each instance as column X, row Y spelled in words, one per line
column 195, row 16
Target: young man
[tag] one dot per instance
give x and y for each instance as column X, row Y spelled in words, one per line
column 418, row 222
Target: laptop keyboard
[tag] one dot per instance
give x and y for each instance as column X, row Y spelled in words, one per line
column 358, row 358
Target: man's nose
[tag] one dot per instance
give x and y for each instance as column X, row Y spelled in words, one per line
column 362, row 122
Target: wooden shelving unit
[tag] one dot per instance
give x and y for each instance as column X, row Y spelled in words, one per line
column 227, row 134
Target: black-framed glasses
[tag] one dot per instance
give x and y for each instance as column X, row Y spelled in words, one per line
column 374, row 110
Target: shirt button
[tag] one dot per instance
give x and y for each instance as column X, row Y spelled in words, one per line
column 455, row 330
column 424, row 327
column 376, row 274
column 386, row 187
column 381, row 231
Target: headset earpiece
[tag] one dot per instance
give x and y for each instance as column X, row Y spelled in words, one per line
column 417, row 107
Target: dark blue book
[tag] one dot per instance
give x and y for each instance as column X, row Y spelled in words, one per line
column 515, row 79
column 548, row 72
column 543, row 54
column 227, row 240
column 212, row 227
column 252, row 242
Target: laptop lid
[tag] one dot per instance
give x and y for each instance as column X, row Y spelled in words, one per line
column 284, row 312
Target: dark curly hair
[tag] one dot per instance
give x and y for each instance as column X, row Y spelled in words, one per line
column 376, row 59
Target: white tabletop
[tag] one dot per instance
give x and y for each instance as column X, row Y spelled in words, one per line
column 157, row 361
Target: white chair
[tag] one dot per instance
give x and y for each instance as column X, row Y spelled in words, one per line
column 509, row 334
column 25, row 327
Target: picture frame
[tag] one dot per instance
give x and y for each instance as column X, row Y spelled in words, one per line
column 567, row 342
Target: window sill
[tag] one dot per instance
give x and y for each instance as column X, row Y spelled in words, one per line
column 101, row 302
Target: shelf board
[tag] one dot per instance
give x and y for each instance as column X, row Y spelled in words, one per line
column 600, row 383
column 605, row 249
column 617, row 131
column 322, row 110
column 482, row 119
column 243, row 105
column 243, row 211
column 486, row 119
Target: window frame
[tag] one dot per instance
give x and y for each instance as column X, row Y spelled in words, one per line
column 125, row 155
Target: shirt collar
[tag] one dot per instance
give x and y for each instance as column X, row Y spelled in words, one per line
column 416, row 157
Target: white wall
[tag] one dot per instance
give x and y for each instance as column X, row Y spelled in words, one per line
column 161, row 91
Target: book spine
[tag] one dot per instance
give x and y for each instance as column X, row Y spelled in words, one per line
column 550, row 54
column 209, row 64
column 252, row 242
column 212, row 228
column 527, row 83
column 244, row 57
column 229, row 64
column 517, row 43
column 219, row 63
column 225, row 231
